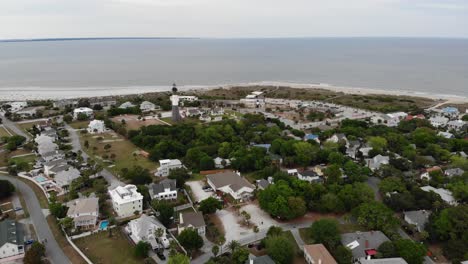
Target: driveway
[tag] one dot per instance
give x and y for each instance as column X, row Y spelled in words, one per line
column 197, row 190
column 373, row 182
column 75, row 141
column 53, row 251
column 259, row 217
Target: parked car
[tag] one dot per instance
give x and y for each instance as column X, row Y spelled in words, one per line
column 29, row 242
column 18, row 208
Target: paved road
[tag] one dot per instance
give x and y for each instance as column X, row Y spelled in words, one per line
column 373, row 182
column 76, row 146
column 53, row 251
column 12, row 127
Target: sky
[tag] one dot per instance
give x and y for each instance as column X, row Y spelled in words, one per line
column 232, row 18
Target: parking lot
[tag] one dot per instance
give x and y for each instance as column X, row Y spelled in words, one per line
column 197, row 190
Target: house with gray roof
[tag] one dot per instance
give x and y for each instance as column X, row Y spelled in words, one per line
column 454, row 172
column 363, row 244
column 193, row 220
column 65, row 177
column 262, row 184
column 383, row 261
column 148, row 229
column 164, row 190
column 230, row 182
column 84, row 212
column 417, row 218
column 377, row 161
column 11, row 238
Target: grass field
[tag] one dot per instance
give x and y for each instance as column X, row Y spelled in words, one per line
column 122, row 149
column 79, row 124
column 5, row 156
column 4, row 132
column 102, row 249
column 28, row 125
column 132, row 122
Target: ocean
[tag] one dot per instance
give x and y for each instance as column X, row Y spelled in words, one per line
column 436, row 66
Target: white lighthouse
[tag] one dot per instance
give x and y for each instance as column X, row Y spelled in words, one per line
column 175, row 104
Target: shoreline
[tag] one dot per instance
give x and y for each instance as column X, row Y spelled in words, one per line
column 56, row 93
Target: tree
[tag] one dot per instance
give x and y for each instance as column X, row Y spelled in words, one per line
column 66, row 223
column 375, row 215
column 190, row 239
column 14, row 142
column 206, row 163
column 86, row 144
column 305, row 153
column 232, row 245
column 343, row 255
column 178, row 259
column 275, row 231
column 325, row 231
column 387, row 250
column 392, row 184
column 215, row 250
column 137, row 175
column 240, row 255
column 180, row 175
column 34, row 254
column 413, row 252
column 107, row 147
column 280, row 249
column 210, row 205
column 6, row 189
column 67, row 118
column 165, row 209
column 141, row 249
column 378, row 143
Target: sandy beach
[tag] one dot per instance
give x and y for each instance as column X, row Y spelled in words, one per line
column 41, row 93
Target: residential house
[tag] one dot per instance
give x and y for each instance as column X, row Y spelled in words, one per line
column 309, row 176
column 417, row 218
column 192, row 220
column 188, row 98
column 50, row 165
column 418, row 116
column 148, row 229
column 353, row 148
column 218, row 111
column 29, row 112
column 438, row 121
column 221, row 163
column 454, row 172
column 11, row 238
column 65, row 103
column 262, row 184
column 16, row 106
column 230, row 182
column 446, row 195
column 377, row 161
column 146, row 106
column 339, row 138
column 313, row 137
column 254, row 100
column 445, row 134
column 265, row 259
column 166, row 165
column 391, row 119
column 364, row 149
column 456, row 125
column 45, row 144
column 96, row 126
column 205, row 118
column 126, row 200
column 292, row 172
column 84, row 212
column 427, row 173
column 126, row 105
column 164, row 190
column 318, row 254
column 363, row 244
column 193, row 112
column 450, row 111
column 264, row 146
column 88, row 112
column 64, row 178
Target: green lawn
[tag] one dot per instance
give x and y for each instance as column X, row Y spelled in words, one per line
column 122, row 148
column 305, row 236
column 79, row 124
column 102, row 249
column 26, row 126
column 4, row 132
column 6, row 156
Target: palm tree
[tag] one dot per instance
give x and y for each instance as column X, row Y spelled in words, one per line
column 215, row 250
column 233, row 245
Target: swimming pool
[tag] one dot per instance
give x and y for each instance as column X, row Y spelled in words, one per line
column 103, row 225
column 40, row 179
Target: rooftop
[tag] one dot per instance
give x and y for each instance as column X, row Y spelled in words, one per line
column 194, row 219
column 229, row 178
column 83, row 206
column 359, row 242
column 319, row 254
column 11, row 232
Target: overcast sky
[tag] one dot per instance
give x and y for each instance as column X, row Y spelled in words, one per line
column 232, row 18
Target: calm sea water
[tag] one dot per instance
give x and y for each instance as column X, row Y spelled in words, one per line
column 427, row 65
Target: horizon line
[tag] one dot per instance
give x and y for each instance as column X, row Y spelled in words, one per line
column 227, row 38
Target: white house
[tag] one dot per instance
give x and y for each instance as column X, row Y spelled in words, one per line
column 188, row 98
column 148, row 229
column 438, row 121
column 126, row 200
column 82, row 110
column 309, row 176
column 147, row 106
column 456, row 124
column 11, row 239
column 166, row 165
column 192, row 220
column 391, row 119
column 377, row 161
column 446, row 195
column 221, row 163
column 254, row 100
column 96, row 126
column 16, row 106
column 164, row 190
column 218, row 111
column 337, row 138
column 126, row 105
column 232, row 183
column 65, row 177
column 29, row 111
column 84, row 212
column 445, row 134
